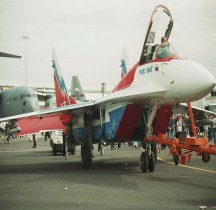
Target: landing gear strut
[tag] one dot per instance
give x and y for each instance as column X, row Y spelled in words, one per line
column 87, row 149
column 86, row 156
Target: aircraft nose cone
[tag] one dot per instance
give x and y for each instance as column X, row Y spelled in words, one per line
column 202, row 78
column 192, row 80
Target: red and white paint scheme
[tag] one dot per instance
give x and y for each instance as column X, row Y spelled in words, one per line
column 141, row 103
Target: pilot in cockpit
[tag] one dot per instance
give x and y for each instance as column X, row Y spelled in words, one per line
column 163, row 40
column 164, row 50
column 161, row 51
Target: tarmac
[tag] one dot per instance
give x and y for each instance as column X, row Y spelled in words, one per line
column 32, row 178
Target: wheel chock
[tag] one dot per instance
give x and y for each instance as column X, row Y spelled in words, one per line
column 183, row 159
column 189, row 157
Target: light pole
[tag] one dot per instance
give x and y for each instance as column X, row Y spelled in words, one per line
column 26, row 75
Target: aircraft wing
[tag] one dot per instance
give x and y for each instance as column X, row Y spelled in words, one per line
column 55, row 118
column 37, row 125
column 2, row 54
column 73, row 109
column 132, row 95
column 47, row 119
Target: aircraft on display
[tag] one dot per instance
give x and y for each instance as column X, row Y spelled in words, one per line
column 20, row 100
column 201, row 116
column 16, row 100
column 23, row 100
column 140, row 105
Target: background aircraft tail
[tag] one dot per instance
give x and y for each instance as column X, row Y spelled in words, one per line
column 76, row 89
column 124, row 63
column 62, row 96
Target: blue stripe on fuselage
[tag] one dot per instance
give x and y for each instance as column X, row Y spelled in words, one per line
column 111, row 127
column 60, row 81
column 106, row 131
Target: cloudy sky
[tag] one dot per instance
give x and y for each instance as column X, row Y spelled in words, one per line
column 89, row 37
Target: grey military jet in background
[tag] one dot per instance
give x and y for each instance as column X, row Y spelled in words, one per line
column 16, row 101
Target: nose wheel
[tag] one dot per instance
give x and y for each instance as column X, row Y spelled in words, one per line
column 147, row 160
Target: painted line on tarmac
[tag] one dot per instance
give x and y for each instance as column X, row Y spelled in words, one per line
column 24, row 150
column 185, row 166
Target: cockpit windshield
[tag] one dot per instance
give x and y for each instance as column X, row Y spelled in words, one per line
column 160, row 25
column 165, row 50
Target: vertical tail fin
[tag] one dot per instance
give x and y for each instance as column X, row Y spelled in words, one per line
column 124, row 69
column 62, row 96
column 124, row 62
column 76, row 89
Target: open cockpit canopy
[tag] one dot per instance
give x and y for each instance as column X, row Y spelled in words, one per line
column 165, row 50
column 160, row 25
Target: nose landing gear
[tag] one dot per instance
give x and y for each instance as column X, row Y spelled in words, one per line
column 147, row 159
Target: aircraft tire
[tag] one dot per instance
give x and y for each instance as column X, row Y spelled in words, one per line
column 205, row 157
column 144, row 162
column 151, row 162
column 86, row 156
column 154, row 150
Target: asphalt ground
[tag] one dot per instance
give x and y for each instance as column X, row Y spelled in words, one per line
column 32, row 178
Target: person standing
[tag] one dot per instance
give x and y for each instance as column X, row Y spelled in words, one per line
column 47, row 135
column 171, row 128
column 179, row 127
column 214, row 130
column 34, row 139
column 7, row 137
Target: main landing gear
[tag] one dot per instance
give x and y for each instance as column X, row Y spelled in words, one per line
column 87, row 149
column 86, row 154
column 148, row 158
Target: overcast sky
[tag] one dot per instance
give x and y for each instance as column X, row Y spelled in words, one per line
column 89, row 37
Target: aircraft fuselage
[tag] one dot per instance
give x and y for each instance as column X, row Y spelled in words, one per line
column 18, row 100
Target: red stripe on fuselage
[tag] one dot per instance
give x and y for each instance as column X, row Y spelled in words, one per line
column 162, row 119
column 128, row 122
column 127, row 80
